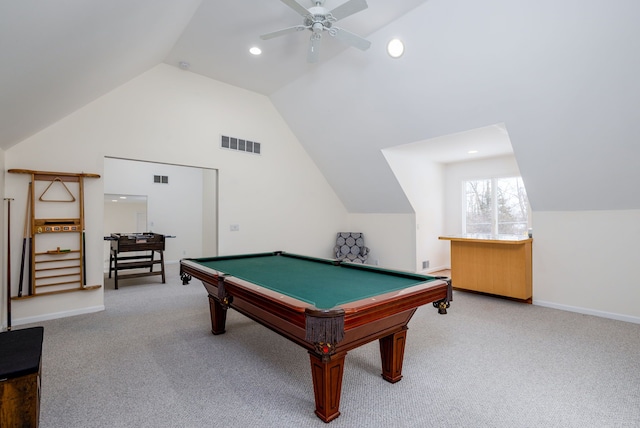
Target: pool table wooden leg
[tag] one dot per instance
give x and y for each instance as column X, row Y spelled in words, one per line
column 327, row 384
column 218, row 316
column 392, row 353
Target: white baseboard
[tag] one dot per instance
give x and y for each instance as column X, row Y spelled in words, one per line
column 56, row 315
column 586, row 311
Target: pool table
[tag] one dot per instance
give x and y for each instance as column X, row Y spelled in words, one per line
column 326, row 306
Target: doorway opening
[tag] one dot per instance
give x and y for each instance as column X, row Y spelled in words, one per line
column 182, row 207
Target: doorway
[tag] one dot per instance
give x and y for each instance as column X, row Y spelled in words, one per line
column 177, row 201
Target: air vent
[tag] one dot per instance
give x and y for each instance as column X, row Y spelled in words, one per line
column 240, row 145
column 161, row 179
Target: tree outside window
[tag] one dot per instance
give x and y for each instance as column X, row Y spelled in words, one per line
column 496, row 206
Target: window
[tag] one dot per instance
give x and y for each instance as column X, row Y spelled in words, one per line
column 495, row 206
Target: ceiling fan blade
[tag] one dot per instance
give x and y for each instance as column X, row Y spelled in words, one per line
column 350, row 38
column 348, row 8
column 314, row 48
column 293, row 4
column 282, row 32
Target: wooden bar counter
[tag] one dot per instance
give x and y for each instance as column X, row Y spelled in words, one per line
column 493, row 264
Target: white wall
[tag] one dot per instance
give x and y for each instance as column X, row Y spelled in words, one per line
column 588, row 261
column 423, row 183
column 210, row 212
column 122, row 217
column 390, row 237
column 279, row 199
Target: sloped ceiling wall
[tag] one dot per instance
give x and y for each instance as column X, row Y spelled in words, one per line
column 59, row 56
column 561, row 76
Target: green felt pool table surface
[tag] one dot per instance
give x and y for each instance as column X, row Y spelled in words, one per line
column 318, row 282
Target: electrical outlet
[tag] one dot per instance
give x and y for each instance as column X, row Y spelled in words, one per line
column 425, row 264
column 234, row 227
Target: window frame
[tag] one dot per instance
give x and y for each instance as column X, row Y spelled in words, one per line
column 494, row 202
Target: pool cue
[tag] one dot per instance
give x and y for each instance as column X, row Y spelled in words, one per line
column 84, row 262
column 84, row 247
column 31, row 274
column 8, row 262
column 24, row 242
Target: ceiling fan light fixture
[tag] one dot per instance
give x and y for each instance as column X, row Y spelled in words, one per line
column 395, row 48
column 317, row 19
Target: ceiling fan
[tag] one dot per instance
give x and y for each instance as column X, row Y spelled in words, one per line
column 317, row 19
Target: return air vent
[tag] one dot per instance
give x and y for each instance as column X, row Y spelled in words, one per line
column 233, row 143
column 161, row 179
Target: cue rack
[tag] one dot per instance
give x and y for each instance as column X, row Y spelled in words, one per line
column 54, row 232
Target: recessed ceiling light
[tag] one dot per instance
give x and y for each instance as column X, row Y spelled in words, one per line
column 472, row 152
column 395, row 48
column 123, row 197
column 255, row 50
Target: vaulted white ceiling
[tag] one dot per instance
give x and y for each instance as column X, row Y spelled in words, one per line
column 59, row 56
column 561, row 76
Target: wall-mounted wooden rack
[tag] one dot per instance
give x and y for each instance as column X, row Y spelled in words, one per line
column 57, row 252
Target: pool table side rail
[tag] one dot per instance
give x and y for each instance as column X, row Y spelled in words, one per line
column 386, row 271
column 421, row 280
column 269, row 254
column 360, row 312
column 206, row 274
column 334, row 262
column 270, row 309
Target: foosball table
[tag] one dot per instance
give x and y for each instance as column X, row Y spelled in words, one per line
column 147, row 245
